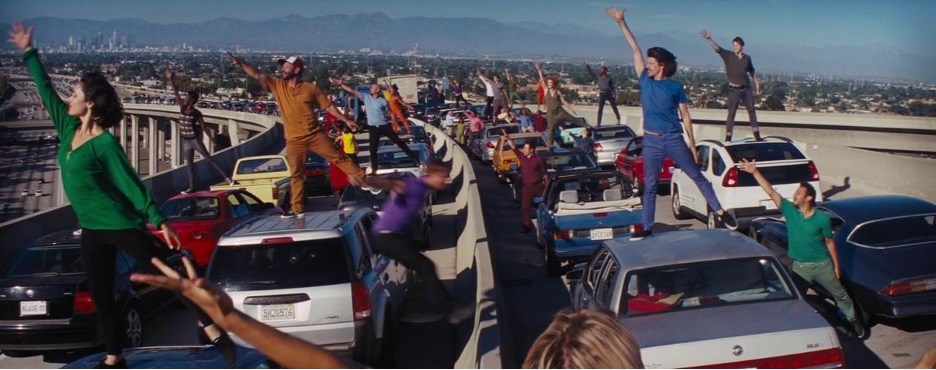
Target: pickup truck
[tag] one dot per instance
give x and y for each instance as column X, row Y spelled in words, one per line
column 266, row 176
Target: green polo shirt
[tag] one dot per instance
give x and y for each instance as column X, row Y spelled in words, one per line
column 806, row 236
column 103, row 188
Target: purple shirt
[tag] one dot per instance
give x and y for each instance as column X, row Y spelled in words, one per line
column 400, row 210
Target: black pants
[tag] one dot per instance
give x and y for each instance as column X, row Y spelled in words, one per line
column 736, row 97
column 609, row 97
column 99, row 253
column 458, row 98
column 488, row 112
column 400, row 248
column 374, row 138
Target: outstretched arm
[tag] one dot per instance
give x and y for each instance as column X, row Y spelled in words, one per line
column 339, row 83
column 175, row 89
column 483, row 77
column 589, row 70
column 251, row 71
column 618, row 16
column 509, row 141
column 751, row 168
column 708, row 37
column 539, row 70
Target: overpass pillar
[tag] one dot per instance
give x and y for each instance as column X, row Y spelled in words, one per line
column 161, row 139
column 174, row 144
column 123, row 131
column 232, row 132
column 154, row 152
column 134, row 141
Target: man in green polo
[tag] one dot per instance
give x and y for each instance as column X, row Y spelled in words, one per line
column 810, row 244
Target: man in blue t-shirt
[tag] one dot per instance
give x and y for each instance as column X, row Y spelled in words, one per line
column 375, row 106
column 664, row 101
column 393, row 231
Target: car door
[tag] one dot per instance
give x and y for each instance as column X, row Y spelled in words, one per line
column 590, row 280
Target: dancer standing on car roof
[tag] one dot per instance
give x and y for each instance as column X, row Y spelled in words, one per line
column 738, row 66
column 297, row 101
column 376, row 107
column 500, row 95
column 111, row 203
column 555, row 104
column 191, row 126
column 810, row 244
column 397, row 106
column 605, row 90
column 664, row 101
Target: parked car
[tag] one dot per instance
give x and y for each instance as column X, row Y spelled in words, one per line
column 706, row 298
column 569, row 129
column 393, row 159
column 579, row 210
column 418, row 136
column 317, row 175
column 316, row 277
column 266, row 176
column 482, row 146
column 202, row 217
column 45, row 302
column 630, row 164
column 181, row 357
column 505, row 162
column 886, row 246
column 778, row 159
column 354, row 197
column 609, row 141
column 556, row 161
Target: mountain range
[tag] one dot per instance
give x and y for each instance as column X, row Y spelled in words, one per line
column 484, row 38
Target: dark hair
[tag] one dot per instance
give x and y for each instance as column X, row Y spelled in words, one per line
column 810, row 191
column 531, row 143
column 193, row 95
column 664, row 57
column 107, row 110
column 739, row 40
column 437, row 166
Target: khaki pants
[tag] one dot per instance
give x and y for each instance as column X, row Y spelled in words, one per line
column 320, row 144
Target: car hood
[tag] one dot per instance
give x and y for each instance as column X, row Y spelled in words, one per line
column 875, row 268
column 715, row 322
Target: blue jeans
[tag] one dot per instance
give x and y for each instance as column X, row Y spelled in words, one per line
column 655, row 149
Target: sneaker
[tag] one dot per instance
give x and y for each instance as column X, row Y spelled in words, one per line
column 292, row 214
column 641, row 235
column 460, row 313
column 120, row 364
column 727, row 138
column 727, row 219
column 188, row 191
column 858, row 328
column 230, row 182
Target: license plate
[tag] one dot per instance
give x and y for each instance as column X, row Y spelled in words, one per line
column 32, row 308
column 277, row 312
column 602, row 234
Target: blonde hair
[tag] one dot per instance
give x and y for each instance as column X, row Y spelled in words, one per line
column 586, row 339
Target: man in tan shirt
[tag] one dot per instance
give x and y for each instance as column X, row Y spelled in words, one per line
column 297, row 101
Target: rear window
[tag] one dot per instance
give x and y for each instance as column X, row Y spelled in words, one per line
column 300, row 264
column 778, row 175
column 563, row 162
column 614, row 133
column 41, row 261
column 399, row 159
column 764, row 152
column 181, row 209
column 496, row 131
column 896, row 232
column 592, row 188
column 676, row 288
column 261, row 166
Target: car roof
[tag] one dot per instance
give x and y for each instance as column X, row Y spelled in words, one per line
column 681, row 247
column 394, row 148
column 59, row 237
column 563, row 151
column 313, row 224
column 875, row 207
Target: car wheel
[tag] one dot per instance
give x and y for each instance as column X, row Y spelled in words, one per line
column 134, row 333
column 678, row 212
column 711, row 222
column 553, row 266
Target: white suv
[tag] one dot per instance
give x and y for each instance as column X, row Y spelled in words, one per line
column 779, row 160
column 315, row 277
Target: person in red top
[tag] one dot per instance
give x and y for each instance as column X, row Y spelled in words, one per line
column 532, row 176
column 539, row 122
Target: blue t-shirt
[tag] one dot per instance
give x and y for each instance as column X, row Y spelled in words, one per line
column 660, row 100
column 400, row 210
column 376, row 109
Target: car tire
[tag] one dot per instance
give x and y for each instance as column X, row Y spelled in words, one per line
column 553, row 265
column 678, row 212
column 133, row 334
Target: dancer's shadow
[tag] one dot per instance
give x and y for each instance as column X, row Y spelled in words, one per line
column 836, row 189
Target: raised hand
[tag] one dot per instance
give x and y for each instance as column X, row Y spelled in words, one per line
column 234, row 60
column 335, row 81
column 706, row 34
column 21, row 36
column 169, row 74
column 616, row 14
column 587, row 62
column 537, row 66
column 748, row 167
column 214, row 302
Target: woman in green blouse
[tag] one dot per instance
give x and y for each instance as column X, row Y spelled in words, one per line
column 110, row 201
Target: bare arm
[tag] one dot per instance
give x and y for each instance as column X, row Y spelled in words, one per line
column 618, row 16
column 539, row 70
column 566, row 104
column 708, row 37
column 756, row 83
column 201, row 121
column 483, row 77
column 589, row 70
column 251, row 71
column 169, row 76
column 830, row 245
column 337, row 82
column 751, row 167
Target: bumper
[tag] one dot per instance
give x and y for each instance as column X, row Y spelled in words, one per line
column 339, row 337
column 606, row 158
column 571, row 250
column 919, row 304
column 59, row 335
column 487, row 154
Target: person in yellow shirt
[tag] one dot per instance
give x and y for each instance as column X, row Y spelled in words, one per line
column 349, row 144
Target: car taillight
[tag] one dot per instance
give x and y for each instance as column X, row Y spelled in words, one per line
column 598, row 147
column 637, row 228
column 813, row 171
column 83, row 303
column 731, row 178
column 604, row 184
column 909, row 287
column 360, row 301
column 490, row 145
column 563, row 234
column 275, row 193
column 832, row 358
column 600, row 214
column 279, row 240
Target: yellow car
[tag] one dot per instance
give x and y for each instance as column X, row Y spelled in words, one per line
column 505, row 162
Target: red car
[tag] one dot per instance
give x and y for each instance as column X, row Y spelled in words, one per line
column 630, row 164
column 202, row 217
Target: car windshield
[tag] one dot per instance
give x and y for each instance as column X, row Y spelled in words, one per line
column 299, row 264
column 619, row 132
column 569, row 161
column 191, row 208
column 399, row 159
column 577, row 122
column 896, row 232
column 261, row 166
column 764, row 152
column 675, row 288
column 496, row 130
column 51, row 260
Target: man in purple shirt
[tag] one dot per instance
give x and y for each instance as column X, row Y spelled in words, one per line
column 393, row 231
column 532, row 176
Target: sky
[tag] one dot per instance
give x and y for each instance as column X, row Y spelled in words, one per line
column 907, row 25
